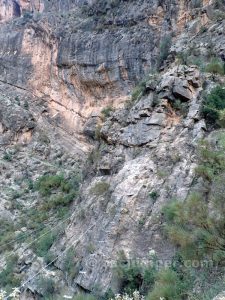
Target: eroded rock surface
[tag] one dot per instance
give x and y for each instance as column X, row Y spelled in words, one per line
column 156, row 154
column 61, row 62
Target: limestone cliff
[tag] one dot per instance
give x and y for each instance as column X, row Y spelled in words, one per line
column 67, row 71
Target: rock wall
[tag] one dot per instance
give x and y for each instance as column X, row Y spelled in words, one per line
column 66, row 60
column 86, row 56
column 9, row 10
column 149, row 150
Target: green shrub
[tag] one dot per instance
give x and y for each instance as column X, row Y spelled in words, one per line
column 93, row 156
column 100, row 188
column 210, row 291
column 154, row 195
column 197, row 233
column 197, row 224
column 35, row 219
column 8, row 277
column 47, row 183
column 47, row 286
column 180, row 106
column 58, row 201
column 66, row 187
column 221, row 120
column 17, row 99
column 164, row 49
column 138, row 91
column 7, row 234
column 168, row 286
column 7, row 156
column 69, row 265
column 219, row 15
column 183, row 57
column 203, row 29
column 43, row 138
column 215, row 67
column 91, row 248
column 134, row 276
column 107, row 111
column 67, row 190
column 62, row 212
column 213, row 104
column 49, row 257
column 43, row 245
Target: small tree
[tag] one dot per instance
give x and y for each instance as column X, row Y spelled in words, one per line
column 213, row 105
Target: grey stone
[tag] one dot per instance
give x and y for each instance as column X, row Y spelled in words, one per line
column 156, row 119
column 68, row 59
column 182, row 93
column 139, row 134
column 90, row 126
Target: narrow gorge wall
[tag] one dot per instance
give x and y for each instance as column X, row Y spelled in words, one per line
column 81, row 57
column 61, row 63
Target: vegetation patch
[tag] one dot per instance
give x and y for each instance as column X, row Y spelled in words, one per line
column 44, row 243
column 106, row 112
column 134, row 276
column 215, row 67
column 196, row 3
column 70, row 267
column 7, row 156
column 164, row 49
column 197, row 225
column 47, row 183
column 213, row 107
column 154, row 195
column 8, row 277
column 58, row 192
column 7, row 233
column 138, row 91
column 180, row 106
column 47, row 286
column 168, row 286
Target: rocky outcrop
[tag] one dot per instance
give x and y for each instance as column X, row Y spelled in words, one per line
column 143, row 124
column 148, row 158
column 81, row 63
column 61, row 62
column 15, row 121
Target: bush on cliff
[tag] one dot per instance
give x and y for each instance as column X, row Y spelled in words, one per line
column 168, row 286
column 215, row 67
column 197, row 224
column 164, row 49
column 214, row 105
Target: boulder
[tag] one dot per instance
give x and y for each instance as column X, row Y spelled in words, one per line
column 90, row 126
column 182, row 93
column 139, row 134
column 156, row 119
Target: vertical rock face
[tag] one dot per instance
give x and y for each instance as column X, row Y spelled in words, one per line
column 148, row 150
column 83, row 55
column 61, row 62
column 9, row 9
